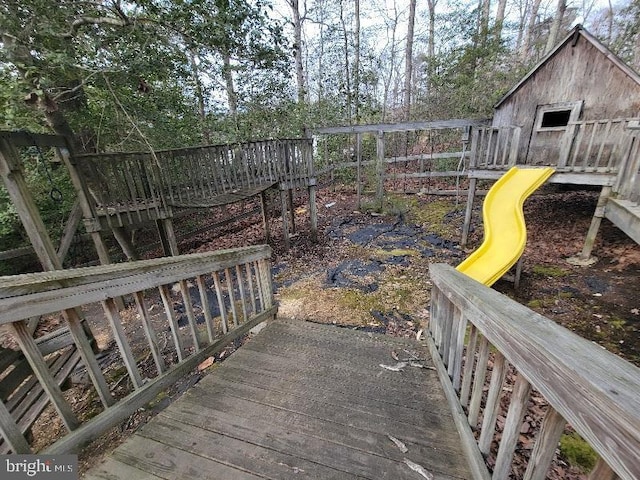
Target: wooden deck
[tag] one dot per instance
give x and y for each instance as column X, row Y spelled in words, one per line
column 301, row 400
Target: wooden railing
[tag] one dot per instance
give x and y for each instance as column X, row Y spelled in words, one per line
column 596, row 392
column 184, row 310
column 494, row 147
column 130, row 184
column 595, row 145
column 628, row 182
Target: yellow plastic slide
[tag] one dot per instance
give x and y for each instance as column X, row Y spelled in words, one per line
column 505, row 233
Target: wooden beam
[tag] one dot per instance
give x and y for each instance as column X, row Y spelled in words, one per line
column 28, row 139
column 595, row 223
column 70, row 229
column 25, row 205
column 400, row 127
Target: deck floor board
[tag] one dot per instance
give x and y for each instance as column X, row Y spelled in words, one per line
column 301, row 400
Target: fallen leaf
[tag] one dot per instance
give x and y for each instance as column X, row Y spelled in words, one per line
column 418, row 468
column 394, row 368
column 403, row 448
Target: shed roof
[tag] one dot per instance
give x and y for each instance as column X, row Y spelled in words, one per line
column 572, row 38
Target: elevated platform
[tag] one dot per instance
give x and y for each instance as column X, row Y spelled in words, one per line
column 625, row 215
column 301, row 400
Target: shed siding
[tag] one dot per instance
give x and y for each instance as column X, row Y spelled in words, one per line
column 579, row 72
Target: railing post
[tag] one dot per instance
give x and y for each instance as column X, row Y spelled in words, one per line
column 545, row 447
column 380, row 169
column 517, row 409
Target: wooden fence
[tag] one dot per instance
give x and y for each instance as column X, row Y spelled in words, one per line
column 133, row 188
column 594, row 391
column 189, row 307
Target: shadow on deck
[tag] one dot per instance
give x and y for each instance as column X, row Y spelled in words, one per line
column 301, row 400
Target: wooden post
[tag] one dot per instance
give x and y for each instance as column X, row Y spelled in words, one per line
column 69, row 230
column 25, row 205
column 265, row 216
column 595, row 224
column 380, row 166
column 359, row 169
column 313, row 209
column 291, row 209
column 122, row 236
column 285, row 221
column 167, row 237
column 468, row 212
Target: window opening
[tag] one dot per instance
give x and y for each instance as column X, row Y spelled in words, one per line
column 558, row 118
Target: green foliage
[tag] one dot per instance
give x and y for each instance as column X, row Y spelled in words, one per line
column 578, row 452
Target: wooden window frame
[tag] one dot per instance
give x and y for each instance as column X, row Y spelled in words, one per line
column 575, row 108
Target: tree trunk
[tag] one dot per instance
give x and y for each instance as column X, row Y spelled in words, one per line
column 206, row 134
column 356, row 60
column 432, row 28
column 408, row 60
column 347, row 74
column 297, row 38
column 502, row 6
column 528, row 34
column 555, row 27
column 227, row 73
column 485, row 9
column 392, row 61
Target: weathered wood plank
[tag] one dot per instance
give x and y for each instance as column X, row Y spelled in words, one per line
column 111, row 469
column 170, row 463
column 546, row 445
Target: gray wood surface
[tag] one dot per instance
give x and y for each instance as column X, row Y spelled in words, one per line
column 301, row 400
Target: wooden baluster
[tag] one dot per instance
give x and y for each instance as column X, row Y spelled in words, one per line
column 264, row 270
column 149, row 332
column 243, row 296
column 602, row 471
column 492, row 407
column 38, row 365
column 206, row 308
column 454, row 319
column 259, row 287
column 446, row 318
column 459, row 349
column 11, row 432
column 220, row 295
column 191, row 317
column 545, row 447
column 468, row 366
column 479, row 380
column 232, row 298
column 252, row 293
column 89, row 359
column 513, row 423
column 113, row 315
column 173, row 323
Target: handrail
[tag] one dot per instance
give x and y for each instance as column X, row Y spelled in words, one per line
column 595, row 391
column 196, row 304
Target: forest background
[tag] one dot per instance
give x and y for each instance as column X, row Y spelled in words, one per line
column 119, row 75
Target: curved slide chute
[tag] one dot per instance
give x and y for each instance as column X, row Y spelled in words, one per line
column 505, row 233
